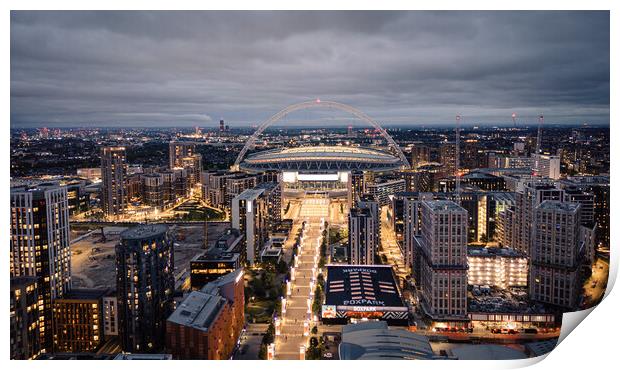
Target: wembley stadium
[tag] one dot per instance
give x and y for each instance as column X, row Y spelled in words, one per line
column 320, row 168
column 321, row 159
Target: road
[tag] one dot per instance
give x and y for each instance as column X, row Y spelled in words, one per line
column 390, row 247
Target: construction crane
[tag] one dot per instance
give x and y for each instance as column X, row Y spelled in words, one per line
column 457, row 156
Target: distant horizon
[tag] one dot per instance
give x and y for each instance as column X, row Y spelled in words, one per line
column 318, row 126
column 188, row 68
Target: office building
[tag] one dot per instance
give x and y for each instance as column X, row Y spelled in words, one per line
column 144, row 286
column 24, row 321
column 40, row 246
column 555, row 255
column 114, row 195
column 208, row 323
column 362, row 238
column 443, row 272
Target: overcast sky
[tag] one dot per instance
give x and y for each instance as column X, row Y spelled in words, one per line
column 193, row 68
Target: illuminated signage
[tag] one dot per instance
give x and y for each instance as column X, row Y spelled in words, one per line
column 328, row 311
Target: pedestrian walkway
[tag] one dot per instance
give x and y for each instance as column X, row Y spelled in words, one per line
column 296, row 319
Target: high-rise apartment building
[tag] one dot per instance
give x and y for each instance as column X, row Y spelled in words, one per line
column 250, row 217
column 40, row 246
column 447, row 158
column 555, row 254
column 362, row 238
column 443, row 247
column 78, row 321
column 144, row 286
column 24, row 324
column 420, row 155
column 179, row 150
column 153, row 190
column 355, row 187
column 114, row 195
column 526, row 200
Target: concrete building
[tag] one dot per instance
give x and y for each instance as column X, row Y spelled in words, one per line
column 208, row 323
column 555, row 254
column 40, row 246
column 114, row 195
column 25, row 319
column 144, row 286
column 443, row 271
column 362, row 238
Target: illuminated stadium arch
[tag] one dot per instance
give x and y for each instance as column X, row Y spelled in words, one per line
column 323, row 104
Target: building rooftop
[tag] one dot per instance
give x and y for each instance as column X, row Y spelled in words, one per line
column 250, row 194
column 144, row 231
column 559, row 206
column 198, row 310
column 443, row 205
column 491, row 252
column 362, row 285
column 373, row 340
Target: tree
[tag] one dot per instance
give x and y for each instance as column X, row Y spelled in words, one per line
column 269, row 334
column 314, row 330
column 262, row 353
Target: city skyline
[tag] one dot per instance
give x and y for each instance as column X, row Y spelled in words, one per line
column 155, row 69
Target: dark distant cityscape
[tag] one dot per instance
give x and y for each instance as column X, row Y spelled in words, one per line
column 284, row 240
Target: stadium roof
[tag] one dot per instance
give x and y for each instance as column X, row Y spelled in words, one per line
column 374, row 341
column 322, row 158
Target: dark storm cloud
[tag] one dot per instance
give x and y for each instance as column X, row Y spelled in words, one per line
column 193, row 68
